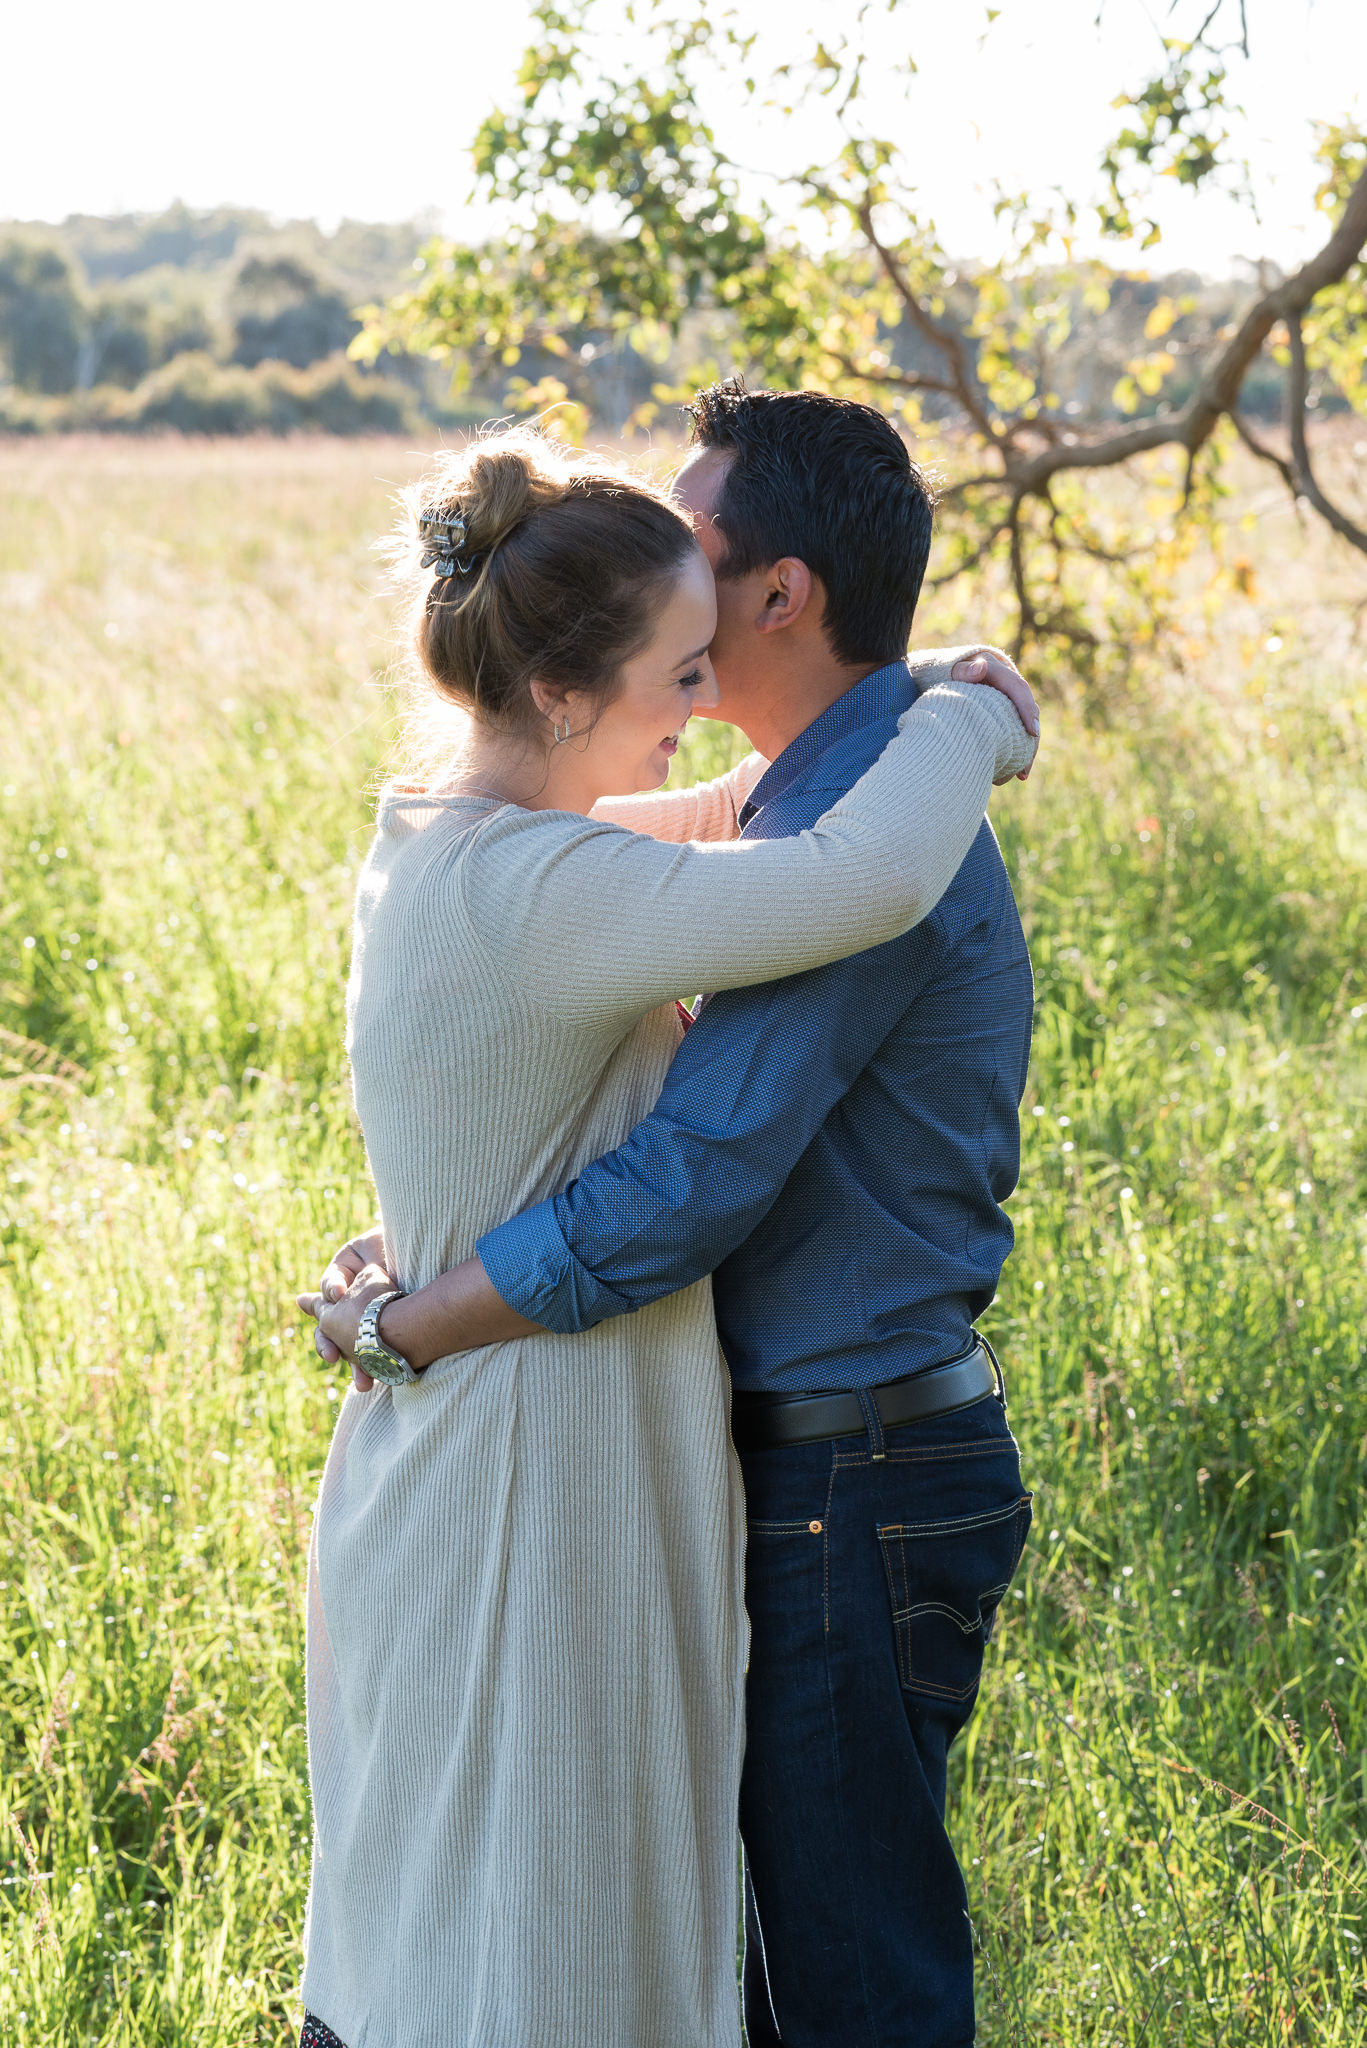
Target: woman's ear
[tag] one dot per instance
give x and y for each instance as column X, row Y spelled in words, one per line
column 787, row 594
column 550, row 702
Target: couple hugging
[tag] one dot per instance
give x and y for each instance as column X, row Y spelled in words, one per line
column 676, row 1482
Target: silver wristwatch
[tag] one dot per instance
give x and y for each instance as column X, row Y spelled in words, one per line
column 373, row 1355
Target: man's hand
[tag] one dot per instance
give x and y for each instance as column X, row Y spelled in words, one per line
column 998, row 670
column 339, row 1316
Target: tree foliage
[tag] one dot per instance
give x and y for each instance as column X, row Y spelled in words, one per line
column 41, row 314
column 286, row 312
column 631, row 222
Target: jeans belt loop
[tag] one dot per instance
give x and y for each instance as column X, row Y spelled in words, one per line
column 996, row 1367
column 873, row 1422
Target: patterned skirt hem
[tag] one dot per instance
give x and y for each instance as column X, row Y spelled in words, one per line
column 315, row 2035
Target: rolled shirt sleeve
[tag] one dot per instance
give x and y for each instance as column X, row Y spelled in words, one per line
column 530, row 1263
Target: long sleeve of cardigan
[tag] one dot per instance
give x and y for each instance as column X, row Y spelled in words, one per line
column 707, row 812
column 605, row 924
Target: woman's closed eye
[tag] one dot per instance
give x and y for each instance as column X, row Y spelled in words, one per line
column 692, row 680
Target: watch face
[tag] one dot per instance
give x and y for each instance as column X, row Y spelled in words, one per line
column 381, row 1367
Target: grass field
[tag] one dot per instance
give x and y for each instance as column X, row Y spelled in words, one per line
column 1162, row 1800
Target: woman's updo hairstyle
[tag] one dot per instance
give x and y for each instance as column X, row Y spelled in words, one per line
column 531, row 560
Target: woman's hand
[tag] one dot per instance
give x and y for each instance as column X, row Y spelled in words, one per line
column 339, row 1318
column 366, row 1249
column 1000, row 673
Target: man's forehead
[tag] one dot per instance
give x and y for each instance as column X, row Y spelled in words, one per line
column 698, row 483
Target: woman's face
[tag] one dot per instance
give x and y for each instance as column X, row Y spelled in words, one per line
column 629, row 744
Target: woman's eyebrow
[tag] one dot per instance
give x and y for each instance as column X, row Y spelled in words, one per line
column 696, row 655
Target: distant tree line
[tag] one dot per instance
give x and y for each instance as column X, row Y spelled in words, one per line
column 218, row 322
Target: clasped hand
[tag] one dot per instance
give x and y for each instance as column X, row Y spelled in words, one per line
column 355, row 1275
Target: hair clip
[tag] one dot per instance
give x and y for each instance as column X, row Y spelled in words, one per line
column 444, row 538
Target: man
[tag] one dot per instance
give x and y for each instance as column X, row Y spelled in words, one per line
column 834, row 1148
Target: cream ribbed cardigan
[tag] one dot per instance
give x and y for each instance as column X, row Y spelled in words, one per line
column 526, row 1638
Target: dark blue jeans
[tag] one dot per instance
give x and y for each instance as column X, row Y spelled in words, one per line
column 872, row 1584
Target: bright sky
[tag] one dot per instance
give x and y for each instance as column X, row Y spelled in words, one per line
column 325, row 111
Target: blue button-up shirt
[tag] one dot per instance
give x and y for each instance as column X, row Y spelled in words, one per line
column 834, row 1147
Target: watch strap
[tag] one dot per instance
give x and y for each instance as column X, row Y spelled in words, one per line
column 371, row 1349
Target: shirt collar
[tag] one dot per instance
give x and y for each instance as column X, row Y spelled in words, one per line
column 884, row 694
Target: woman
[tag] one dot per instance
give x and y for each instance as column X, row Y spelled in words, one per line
column 526, row 1640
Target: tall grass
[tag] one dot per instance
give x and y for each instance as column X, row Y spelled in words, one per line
column 1162, row 1799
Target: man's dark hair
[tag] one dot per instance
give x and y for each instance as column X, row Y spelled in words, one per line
column 832, row 483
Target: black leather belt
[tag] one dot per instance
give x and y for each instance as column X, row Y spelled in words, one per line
column 764, row 1422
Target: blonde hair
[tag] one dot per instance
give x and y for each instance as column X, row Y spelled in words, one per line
column 529, row 560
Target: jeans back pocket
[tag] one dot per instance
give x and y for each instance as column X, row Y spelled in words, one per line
column 947, row 1579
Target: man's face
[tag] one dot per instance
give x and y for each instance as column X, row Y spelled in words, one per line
column 697, row 487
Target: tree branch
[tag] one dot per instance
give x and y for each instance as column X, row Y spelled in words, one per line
column 1034, row 473
column 1263, row 452
column 1025, row 610
column 950, row 345
column 1062, row 541
column 1305, row 485
column 901, row 380
column 1219, row 389
column 970, row 561
column 970, row 483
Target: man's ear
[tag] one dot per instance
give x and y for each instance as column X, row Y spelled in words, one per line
column 787, row 594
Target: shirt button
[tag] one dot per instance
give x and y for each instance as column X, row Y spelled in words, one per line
column 815, row 1528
